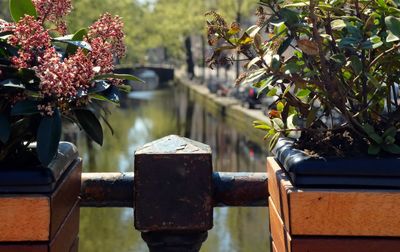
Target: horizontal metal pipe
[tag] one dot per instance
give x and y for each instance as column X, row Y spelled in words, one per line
column 107, row 189
column 240, row 189
column 230, row 189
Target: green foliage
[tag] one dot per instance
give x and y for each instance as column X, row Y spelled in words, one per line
column 20, row 8
column 29, row 114
column 329, row 64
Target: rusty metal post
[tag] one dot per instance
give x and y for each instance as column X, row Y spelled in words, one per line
column 173, row 194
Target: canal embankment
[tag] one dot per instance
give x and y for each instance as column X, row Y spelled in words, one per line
column 229, row 108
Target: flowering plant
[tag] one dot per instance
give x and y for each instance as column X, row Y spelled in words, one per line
column 46, row 75
column 332, row 67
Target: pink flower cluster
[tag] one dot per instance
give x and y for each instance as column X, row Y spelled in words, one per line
column 54, row 11
column 63, row 78
column 110, row 30
column 5, row 26
column 31, row 37
column 102, row 55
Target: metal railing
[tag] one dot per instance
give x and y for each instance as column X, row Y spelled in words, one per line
column 173, row 192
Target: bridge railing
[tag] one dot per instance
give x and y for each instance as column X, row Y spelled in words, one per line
column 173, row 191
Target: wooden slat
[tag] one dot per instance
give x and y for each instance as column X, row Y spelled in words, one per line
column 38, row 217
column 65, row 197
column 66, row 236
column 363, row 213
column 25, row 247
column 274, row 249
column 273, row 185
column 24, row 218
column 75, row 246
column 276, row 226
column 279, row 189
column 344, row 244
column 330, row 212
column 64, row 241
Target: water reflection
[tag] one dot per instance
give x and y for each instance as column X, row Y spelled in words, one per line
column 149, row 116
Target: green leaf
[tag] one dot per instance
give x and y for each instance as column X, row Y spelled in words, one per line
column 25, row 107
column 291, row 17
column 339, row 59
column 393, row 25
column 289, row 122
column 5, row 129
column 376, row 138
column 368, row 128
column 291, row 68
column 268, row 83
column 48, row 137
column 90, row 124
column 280, row 106
column 273, row 141
column 356, row 64
column 303, row 93
column 20, row 8
column 285, row 45
column 374, row 149
column 272, row 92
column 278, row 123
column 112, row 94
column 373, row 80
column 392, row 131
column 99, row 86
column 312, row 115
column 372, row 43
column 12, row 83
column 338, row 24
column 76, row 44
column 118, row 76
column 392, row 148
column 263, row 127
column 78, row 36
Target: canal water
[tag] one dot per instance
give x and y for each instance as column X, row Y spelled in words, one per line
column 146, row 116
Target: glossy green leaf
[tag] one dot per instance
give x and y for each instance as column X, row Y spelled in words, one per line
column 118, row 76
column 25, row 107
column 78, row 36
column 90, row 124
column 390, row 132
column 99, row 86
column 356, row 64
column 5, row 129
column 112, row 94
column 393, row 25
column 48, row 137
column 20, row 8
column 303, row 93
column 392, row 148
column 74, row 45
column 291, row 17
column 12, row 83
column 285, row 45
column 374, row 149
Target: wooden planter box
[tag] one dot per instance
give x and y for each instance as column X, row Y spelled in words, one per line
column 331, row 220
column 43, row 216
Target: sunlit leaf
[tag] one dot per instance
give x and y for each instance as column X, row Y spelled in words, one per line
column 20, row 8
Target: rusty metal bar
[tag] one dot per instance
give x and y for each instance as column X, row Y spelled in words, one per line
column 240, row 189
column 230, row 189
column 107, row 189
